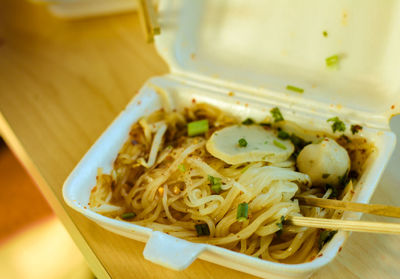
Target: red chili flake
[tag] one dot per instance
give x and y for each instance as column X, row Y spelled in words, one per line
column 193, row 100
column 320, row 255
column 246, row 105
column 231, row 94
column 84, row 207
column 312, row 258
column 193, row 56
column 88, row 203
column 139, row 102
column 393, row 106
column 340, row 249
column 237, row 102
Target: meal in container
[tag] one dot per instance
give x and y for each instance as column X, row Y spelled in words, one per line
column 205, row 176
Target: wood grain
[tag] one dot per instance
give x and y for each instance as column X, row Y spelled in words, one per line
column 376, row 209
column 345, row 225
column 62, row 83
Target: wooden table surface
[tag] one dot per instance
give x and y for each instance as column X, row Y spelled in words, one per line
column 62, row 83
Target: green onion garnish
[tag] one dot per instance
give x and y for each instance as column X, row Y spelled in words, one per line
column 182, row 167
column 242, row 142
column 128, row 215
column 197, row 127
column 242, row 212
column 294, row 88
column 248, row 121
column 332, row 61
column 355, row 129
column 202, row 229
column 325, row 33
column 276, row 114
column 279, row 144
column 337, row 124
column 215, row 184
column 325, row 237
column 280, row 226
column 283, row 135
column 216, row 188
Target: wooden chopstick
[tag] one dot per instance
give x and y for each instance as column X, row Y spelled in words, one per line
column 148, row 20
column 155, row 27
column 377, row 209
column 345, row 225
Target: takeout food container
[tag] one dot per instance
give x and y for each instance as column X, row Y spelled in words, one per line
column 239, row 56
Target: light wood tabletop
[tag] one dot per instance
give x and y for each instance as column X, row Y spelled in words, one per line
column 61, row 84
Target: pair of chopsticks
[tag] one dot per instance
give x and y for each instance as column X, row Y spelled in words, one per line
column 348, row 225
column 148, row 20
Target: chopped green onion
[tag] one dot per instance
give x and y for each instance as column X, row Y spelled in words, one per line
column 182, row 167
column 332, row 61
column 248, row 121
column 355, row 129
column 334, row 193
column 283, row 135
column 197, row 127
column 276, row 114
column 325, row 33
column 279, row 144
column 202, row 229
column 216, row 188
column 214, row 180
column 266, row 142
column 325, row 237
column 337, row 124
column 242, row 142
column 280, row 226
column 242, row 212
column 325, row 175
column 294, row 88
column 128, row 215
column 215, row 184
column 280, row 223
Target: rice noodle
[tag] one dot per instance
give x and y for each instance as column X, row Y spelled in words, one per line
column 171, row 191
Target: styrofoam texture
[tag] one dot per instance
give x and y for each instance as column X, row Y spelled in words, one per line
column 262, row 46
column 77, row 187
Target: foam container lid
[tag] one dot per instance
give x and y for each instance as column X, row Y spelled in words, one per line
column 262, row 46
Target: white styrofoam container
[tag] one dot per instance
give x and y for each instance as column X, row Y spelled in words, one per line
column 254, row 49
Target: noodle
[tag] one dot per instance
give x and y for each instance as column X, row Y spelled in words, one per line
column 164, row 177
